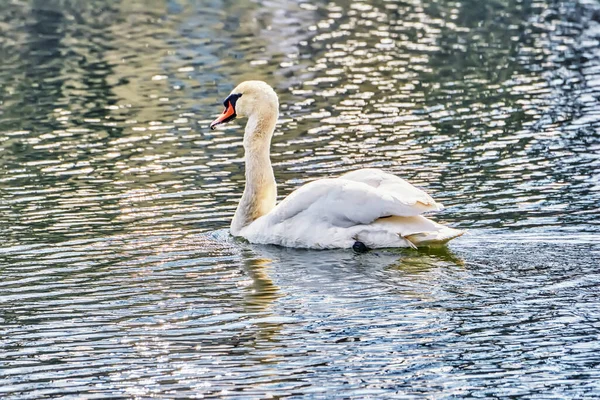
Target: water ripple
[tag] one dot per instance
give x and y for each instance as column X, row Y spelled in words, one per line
column 119, row 278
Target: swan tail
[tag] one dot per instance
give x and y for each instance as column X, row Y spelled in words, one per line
column 410, row 232
column 436, row 237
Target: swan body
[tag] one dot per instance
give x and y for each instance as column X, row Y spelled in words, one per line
column 368, row 205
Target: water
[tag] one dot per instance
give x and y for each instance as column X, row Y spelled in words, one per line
column 118, row 276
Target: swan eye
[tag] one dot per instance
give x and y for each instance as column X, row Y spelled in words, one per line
column 232, row 99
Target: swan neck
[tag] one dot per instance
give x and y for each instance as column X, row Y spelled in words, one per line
column 260, row 192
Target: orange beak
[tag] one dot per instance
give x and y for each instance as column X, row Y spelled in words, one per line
column 227, row 115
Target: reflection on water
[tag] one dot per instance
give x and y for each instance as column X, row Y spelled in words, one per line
column 118, row 277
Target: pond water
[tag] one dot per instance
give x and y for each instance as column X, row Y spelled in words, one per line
column 118, row 278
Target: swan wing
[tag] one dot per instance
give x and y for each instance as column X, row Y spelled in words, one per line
column 396, row 187
column 346, row 202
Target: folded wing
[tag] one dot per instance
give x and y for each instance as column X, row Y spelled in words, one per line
column 394, row 186
column 358, row 197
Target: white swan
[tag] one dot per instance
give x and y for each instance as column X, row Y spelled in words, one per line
column 367, row 208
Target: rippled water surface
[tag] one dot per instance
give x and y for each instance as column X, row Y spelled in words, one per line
column 118, row 278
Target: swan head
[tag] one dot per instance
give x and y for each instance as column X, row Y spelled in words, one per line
column 248, row 99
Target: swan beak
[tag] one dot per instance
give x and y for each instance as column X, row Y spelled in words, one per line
column 227, row 115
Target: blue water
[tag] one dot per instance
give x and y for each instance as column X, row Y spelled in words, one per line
column 118, row 278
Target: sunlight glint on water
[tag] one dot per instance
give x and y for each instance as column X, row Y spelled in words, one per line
column 119, row 278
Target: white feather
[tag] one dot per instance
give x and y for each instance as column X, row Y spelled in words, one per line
column 335, row 213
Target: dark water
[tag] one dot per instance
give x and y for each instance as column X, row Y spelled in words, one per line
column 118, row 276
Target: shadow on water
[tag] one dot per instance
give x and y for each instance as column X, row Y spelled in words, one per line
column 339, row 272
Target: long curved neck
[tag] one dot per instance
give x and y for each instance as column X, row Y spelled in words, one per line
column 260, row 193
